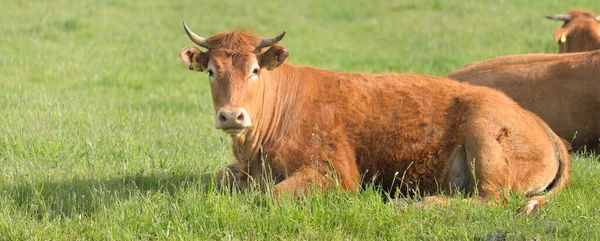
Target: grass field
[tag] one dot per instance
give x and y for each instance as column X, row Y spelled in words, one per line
column 105, row 134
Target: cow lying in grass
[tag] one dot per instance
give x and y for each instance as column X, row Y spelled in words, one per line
column 303, row 127
column 562, row 89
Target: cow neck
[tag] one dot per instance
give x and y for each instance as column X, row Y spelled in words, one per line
column 277, row 95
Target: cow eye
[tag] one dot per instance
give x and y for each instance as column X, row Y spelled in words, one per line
column 254, row 75
column 210, row 73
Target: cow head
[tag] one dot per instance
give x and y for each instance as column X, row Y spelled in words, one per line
column 577, row 28
column 234, row 62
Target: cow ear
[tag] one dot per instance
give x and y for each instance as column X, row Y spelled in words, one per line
column 194, row 58
column 560, row 35
column 273, row 57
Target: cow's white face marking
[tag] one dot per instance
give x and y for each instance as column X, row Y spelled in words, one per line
column 254, row 71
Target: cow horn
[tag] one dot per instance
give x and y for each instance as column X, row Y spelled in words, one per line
column 266, row 42
column 194, row 37
column 560, row 17
column 598, row 19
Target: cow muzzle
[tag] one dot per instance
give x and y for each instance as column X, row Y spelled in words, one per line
column 232, row 121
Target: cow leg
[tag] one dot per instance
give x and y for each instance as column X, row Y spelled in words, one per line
column 488, row 164
column 493, row 177
column 336, row 169
column 479, row 162
column 300, row 181
column 309, row 178
column 460, row 178
column 233, row 176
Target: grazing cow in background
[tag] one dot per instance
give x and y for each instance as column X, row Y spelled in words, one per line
column 580, row 32
column 562, row 89
column 302, row 127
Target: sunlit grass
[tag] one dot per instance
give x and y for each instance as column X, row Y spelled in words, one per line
column 105, row 134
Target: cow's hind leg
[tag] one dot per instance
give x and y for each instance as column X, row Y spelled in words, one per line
column 461, row 178
column 478, row 167
column 492, row 175
column 560, row 179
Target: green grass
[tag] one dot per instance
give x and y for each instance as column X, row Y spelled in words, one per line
column 105, row 134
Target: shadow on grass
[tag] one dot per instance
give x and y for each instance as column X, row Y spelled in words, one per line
column 83, row 197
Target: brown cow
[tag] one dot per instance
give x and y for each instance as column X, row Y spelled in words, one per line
column 302, row 127
column 580, row 32
column 562, row 89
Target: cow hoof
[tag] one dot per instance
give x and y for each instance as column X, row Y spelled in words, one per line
column 530, row 207
column 533, row 205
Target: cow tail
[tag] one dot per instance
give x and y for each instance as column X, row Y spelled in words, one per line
column 564, row 166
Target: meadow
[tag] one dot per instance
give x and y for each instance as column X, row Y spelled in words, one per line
column 106, row 135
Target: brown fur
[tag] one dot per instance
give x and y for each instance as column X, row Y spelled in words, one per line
column 318, row 128
column 562, row 89
column 237, row 41
column 582, row 33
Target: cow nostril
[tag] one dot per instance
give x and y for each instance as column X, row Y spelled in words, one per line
column 240, row 117
column 222, row 117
